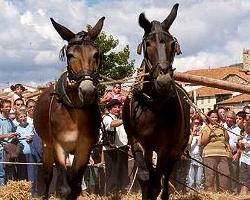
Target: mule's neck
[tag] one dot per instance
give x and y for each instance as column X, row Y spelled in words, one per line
column 72, row 93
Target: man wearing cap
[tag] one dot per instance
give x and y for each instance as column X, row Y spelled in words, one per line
column 115, row 149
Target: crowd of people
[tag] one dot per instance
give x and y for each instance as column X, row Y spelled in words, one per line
column 219, row 148
column 19, row 141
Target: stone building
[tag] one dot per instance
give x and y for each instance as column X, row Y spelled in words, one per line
column 208, row 98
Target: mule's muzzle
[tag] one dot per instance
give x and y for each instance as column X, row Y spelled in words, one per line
column 87, row 92
column 163, row 83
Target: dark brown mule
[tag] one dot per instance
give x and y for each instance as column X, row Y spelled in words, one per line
column 156, row 115
column 67, row 117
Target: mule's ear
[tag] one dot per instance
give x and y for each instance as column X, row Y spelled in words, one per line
column 170, row 18
column 65, row 33
column 144, row 23
column 94, row 32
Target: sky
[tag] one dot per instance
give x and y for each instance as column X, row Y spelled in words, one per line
column 211, row 33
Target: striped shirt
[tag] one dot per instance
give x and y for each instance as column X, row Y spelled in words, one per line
column 216, row 145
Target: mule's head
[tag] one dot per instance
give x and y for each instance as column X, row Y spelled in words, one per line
column 159, row 48
column 83, row 59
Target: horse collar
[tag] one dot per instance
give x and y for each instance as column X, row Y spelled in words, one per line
column 60, row 90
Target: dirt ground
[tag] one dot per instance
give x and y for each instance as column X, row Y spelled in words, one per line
column 20, row 190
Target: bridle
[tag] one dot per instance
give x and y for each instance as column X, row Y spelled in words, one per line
column 160, row 50
column 75, row 78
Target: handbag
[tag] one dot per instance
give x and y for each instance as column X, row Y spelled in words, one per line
column 12, row 150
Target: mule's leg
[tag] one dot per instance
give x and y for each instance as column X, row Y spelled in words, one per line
column 79, row 165
column 143, row 173
column 48, row 160
column 62, row 183
column 155, row 175
column 167, row 171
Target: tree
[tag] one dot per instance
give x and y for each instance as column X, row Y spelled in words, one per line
column 116, row 65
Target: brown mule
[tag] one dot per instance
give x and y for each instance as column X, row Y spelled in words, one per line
column 156, row 115
column 67, row 117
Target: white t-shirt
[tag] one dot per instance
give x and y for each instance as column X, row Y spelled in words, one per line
column 195, row 150
column 121, row 138
column 233, row 138
column 245, row 156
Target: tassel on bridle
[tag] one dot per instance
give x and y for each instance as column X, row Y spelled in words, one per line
column 62, row 53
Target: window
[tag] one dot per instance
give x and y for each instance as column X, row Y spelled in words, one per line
column 202, row 100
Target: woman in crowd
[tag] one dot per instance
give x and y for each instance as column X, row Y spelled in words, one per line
column 216, row 153
column 244, row 145
column 195, row 174
column 115, row 93
column 18, row 90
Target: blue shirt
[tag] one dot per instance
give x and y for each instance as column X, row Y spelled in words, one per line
column 6, row 126
column 25, row 131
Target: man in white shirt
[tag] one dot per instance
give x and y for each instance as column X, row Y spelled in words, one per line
column 234, row 136
column 116, row 149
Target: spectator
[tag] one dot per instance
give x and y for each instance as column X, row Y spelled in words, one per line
column 18, row 103
column 7, row 131
column 234, row 136
column 18, row 90
column 246, row 109
column 221, row 113
column 26, row 132
column 30, row 104
column 195, row 174
column 115, row 93
column 216, row 153
column 116, row 149
column 241, row 121
column 245, row 161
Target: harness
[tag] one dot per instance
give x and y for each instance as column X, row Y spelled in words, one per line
column 160, row 48
column 75, row 78
column 72, row 79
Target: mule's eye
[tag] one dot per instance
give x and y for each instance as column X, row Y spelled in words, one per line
column 96, row 55
column 70, row 56
column 147, row 44
column 173, row 45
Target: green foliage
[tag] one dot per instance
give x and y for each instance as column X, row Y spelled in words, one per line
column 115, row 64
